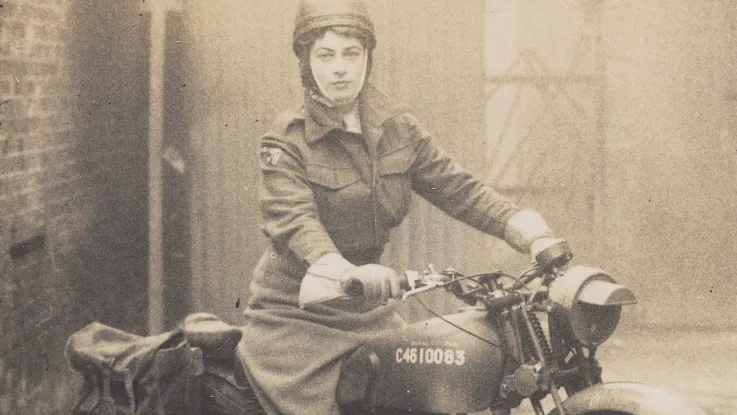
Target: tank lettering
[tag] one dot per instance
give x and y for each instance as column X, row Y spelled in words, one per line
column 438, row 356
column 412, row 355
column 449, row 357
column 408, row 355
column 433, row 343
column 460, row 357
column 430, row 355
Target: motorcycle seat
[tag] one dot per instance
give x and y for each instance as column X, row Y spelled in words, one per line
column 216, row 338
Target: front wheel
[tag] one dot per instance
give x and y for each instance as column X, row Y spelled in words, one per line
column 624, row 398
column 555, row 412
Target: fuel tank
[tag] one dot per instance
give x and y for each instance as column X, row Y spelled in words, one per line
column 429, row 366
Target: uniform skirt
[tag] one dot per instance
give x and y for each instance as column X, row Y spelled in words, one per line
column 292, row 355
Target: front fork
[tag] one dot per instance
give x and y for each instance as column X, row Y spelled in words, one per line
column 548, row 366
column 539, row 370
column 530, row 374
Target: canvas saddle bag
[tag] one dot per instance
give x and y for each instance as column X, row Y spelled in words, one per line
column 129, row 374
column 191, row 370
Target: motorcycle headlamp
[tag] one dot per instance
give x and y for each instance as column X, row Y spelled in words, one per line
column 593, row 302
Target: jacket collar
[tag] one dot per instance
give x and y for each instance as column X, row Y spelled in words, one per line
column 374, row 109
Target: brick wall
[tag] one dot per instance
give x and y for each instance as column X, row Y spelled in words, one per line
column 72, row 187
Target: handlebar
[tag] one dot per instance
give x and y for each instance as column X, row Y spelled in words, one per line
column 410, row 283
column 548, row 261
column 413, row 283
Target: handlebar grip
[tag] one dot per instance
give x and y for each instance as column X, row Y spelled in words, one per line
column 352, row 286
column 554, row 256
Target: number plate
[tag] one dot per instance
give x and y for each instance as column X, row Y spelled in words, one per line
column 430, row 356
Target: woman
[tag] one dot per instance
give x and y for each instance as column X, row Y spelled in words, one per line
column 337, row 176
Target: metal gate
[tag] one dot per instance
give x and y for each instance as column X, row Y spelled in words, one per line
column 546, row 109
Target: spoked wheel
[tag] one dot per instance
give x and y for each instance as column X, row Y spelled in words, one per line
column 596, row 412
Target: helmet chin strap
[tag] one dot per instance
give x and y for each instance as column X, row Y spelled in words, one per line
column 325, row 99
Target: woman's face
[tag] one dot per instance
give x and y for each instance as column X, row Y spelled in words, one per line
column 339, row 65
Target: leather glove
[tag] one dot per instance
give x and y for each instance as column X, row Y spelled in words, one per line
column 541, row 244
column 322, row 281
column 557, row 256
column 525, row 227
column 527, row 231
column 380, row 283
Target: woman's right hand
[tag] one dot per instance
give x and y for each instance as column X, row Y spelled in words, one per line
column 322, row 281
column 380, row 283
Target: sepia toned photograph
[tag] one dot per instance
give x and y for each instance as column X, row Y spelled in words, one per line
column 354, row 207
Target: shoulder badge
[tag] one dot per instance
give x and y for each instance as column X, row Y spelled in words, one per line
column 271, row 155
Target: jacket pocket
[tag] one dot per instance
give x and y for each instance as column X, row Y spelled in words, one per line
column 339, row 194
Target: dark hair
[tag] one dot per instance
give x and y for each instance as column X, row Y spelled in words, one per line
column 304, row 44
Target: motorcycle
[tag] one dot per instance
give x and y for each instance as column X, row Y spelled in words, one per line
column 529, row 337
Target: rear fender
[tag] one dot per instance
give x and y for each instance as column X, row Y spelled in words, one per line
column 628, row 398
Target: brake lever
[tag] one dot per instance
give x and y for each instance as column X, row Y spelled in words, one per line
column 418, row 284
column 430, row 286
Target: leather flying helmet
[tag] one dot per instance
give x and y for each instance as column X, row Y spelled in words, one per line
column 318, row 14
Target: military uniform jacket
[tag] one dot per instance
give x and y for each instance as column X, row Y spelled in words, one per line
column 323, row 190
column 327, row 190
